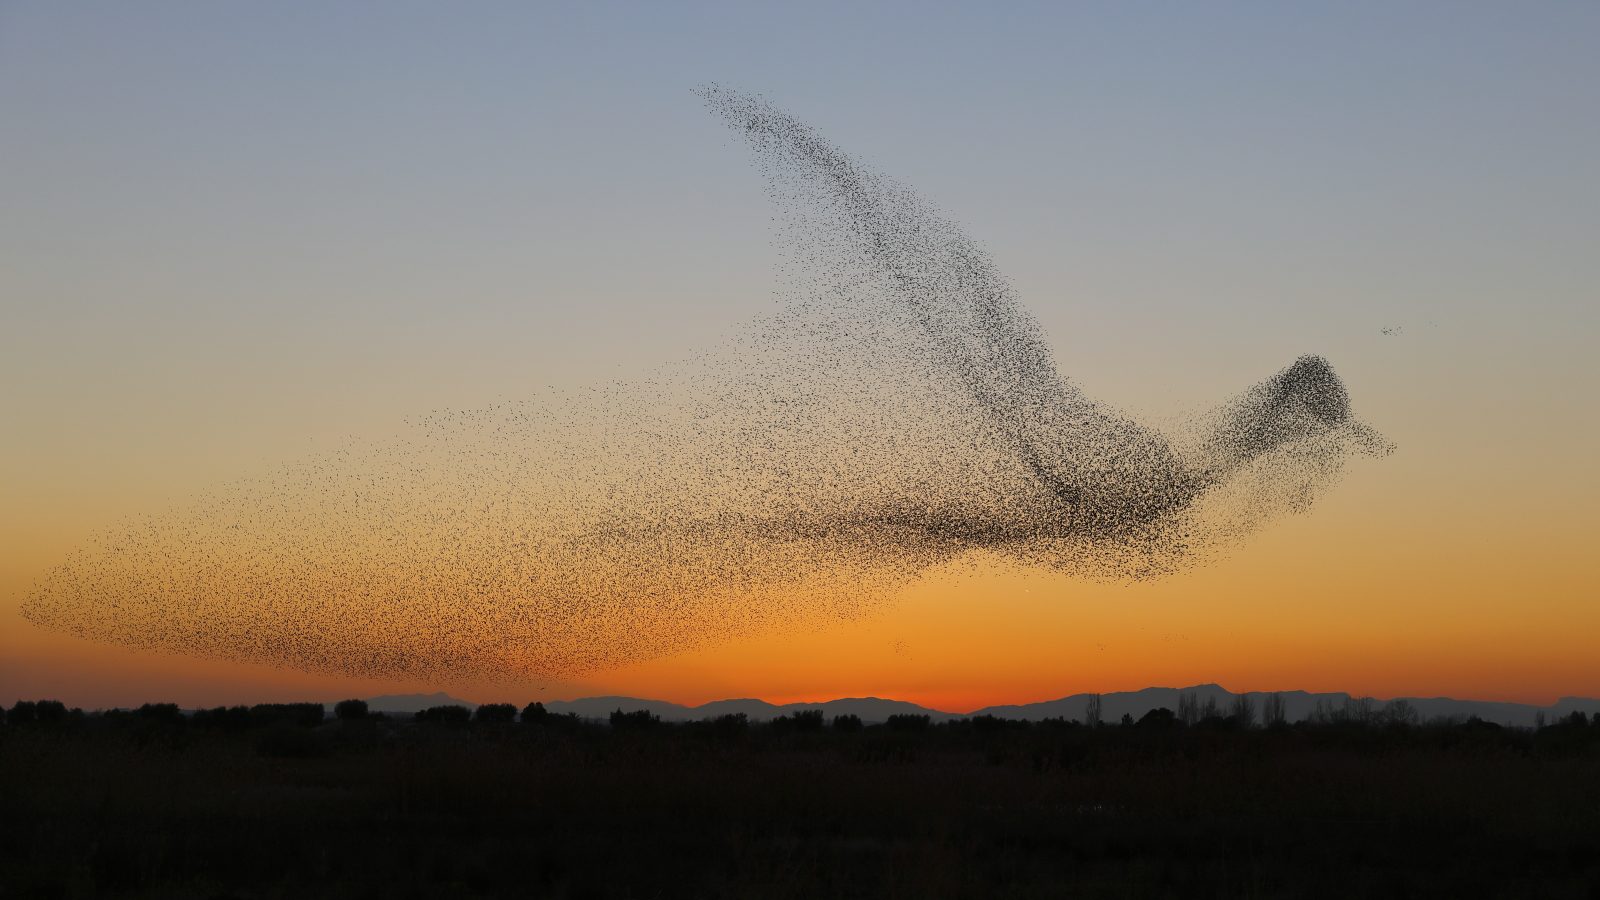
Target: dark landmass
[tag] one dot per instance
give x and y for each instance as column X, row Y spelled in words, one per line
column 1207, row 800
column 1299, row 705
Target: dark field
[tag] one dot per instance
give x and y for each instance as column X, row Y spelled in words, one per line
column 256, row 804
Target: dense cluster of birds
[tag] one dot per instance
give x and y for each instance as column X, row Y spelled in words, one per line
column 897, row 410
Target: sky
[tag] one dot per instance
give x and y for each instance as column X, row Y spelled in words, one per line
column 235, row 234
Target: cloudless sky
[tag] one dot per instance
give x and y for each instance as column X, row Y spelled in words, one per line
column 233, row 233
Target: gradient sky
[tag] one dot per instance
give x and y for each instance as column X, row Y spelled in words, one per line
column 233, row 234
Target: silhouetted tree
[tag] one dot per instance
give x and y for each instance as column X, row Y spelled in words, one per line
column 850, row 723
column 1188, row 708
column 988, row 724
column 1273, row 712
column 799, row 720
column 908, row 722
column 729, row 724
column 1400, row 712
column 48, row 712
column 638, row 720
column 451, row 714
column 1092, row 711
column 1211, row 710
column 350, row 710
column 534, row 713
column 306, row 715
column 808, row 720
column 2, row 715
column 724, row 727
column 167, row 713
column 225, row 718
column 24, row 712
column 1244, row 711
column 1159, row 719
column 496, row 714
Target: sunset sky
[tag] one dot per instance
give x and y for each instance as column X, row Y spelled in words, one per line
column 235, row 235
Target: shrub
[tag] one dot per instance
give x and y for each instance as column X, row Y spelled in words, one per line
column 496, row 713
column 349, row 710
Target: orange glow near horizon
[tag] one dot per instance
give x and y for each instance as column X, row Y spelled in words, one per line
column 1327, row 602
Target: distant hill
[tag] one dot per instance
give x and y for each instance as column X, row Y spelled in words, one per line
column 1298, row 705
column 410, row 703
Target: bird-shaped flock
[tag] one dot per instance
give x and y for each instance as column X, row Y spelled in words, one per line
column 899, row 409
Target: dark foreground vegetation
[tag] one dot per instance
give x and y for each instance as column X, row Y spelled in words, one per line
column 279, row 801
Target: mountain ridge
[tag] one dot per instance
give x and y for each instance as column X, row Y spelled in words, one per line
column 1298, row 705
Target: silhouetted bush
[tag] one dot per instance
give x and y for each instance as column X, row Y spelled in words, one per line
column 496, row 714
column 444, row 715
column 534, row 713
column 305, row 715
column 908, row 722
column 848, row 723
column 350, row 710
column 638, row 720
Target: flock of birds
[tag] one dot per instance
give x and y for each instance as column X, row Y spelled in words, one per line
column 898, row 410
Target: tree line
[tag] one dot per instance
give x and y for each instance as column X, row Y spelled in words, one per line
column 1242, row 713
